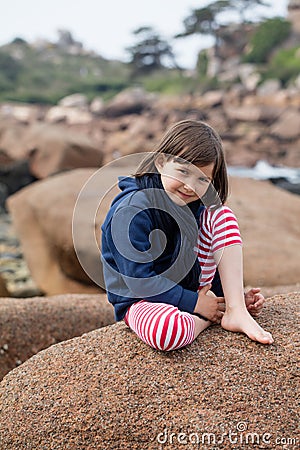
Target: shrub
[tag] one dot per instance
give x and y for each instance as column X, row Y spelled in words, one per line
column 269, row 34
column 202, row 63
column 285, row 65
column 168, row 82
column 10, row 67
column 19, row 41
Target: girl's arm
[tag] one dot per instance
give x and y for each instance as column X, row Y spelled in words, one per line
column 128, row 262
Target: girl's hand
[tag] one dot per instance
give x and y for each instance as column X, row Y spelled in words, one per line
column 254, row 301
column 210, row 306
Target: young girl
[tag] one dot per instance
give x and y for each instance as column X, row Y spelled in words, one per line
column 148, row 245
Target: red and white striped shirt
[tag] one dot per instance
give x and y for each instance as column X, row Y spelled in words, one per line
column 218, row 229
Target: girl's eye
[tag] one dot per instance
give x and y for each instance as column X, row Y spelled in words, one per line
column 183, row 171
column 204, row 180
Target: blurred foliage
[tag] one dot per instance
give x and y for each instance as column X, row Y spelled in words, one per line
column 205, row 21
column 168, row 82
column 150, row 52
column 46, row 75
column 50, row 72
column 202, row 63
column 176, row 82
column 19, row 40
column 211, row 20
column 284, row 65
column 268, row 35
column 10, row 67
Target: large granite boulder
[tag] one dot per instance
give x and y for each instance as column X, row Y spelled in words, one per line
column 3, row 289
column 21, row 112
column 30, row 325
column 129, row 101
column 47, row 223
column 288, row 125
column 70, row 115
column 54, row 149
column 109, row 390
column 48, row 148
column 138, row 135
column 77, row 100
column 42, row 218
column 12, row 140
column 269, row 222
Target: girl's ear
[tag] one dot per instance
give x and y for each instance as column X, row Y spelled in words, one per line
column 159, row 163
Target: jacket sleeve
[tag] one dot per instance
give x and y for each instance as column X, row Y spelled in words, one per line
column 131, row 239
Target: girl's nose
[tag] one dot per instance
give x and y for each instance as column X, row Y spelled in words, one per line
column 188, row 188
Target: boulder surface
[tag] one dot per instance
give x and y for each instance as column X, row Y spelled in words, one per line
column 268, row 218
column 30, row 325
column 44, row 218
column 3, row 289
column 109, row 390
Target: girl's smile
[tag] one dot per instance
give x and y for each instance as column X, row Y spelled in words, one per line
column 185, row 196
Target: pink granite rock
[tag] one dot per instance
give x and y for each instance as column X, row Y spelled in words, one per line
column 268, row 218
column 33, row 324
column 109, row 390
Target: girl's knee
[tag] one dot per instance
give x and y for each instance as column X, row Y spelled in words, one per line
column 163, row 348
column 161, row 326
column 173, row 332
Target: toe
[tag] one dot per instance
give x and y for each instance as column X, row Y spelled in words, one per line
column 268, row 338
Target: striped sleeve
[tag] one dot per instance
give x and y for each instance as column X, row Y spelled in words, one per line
column 218, row 229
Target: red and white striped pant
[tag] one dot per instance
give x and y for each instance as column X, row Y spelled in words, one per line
column 162, row 326
column 165, row 327
column 218, row 229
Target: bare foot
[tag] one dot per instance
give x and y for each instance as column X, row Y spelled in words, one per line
column 242, row 322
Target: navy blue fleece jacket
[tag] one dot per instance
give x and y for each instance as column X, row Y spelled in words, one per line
column 133, row 268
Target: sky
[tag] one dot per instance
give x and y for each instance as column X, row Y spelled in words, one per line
column 106, row 26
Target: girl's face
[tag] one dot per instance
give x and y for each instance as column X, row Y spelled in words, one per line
column 184, row 182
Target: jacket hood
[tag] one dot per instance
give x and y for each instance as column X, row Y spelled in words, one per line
column 127, row 185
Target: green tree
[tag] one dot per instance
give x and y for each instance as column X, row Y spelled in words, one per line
column 151, row 52
column 285, row 65
column 209, row 21
column 19, row 41
column 205, row 21
column 268, row 35
column 10, row 68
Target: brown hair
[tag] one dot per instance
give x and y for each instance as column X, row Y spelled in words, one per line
column 197, row 143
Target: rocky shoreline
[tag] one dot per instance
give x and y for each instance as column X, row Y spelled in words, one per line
column 258, row 127
column 17, row 278
column 13, row 267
